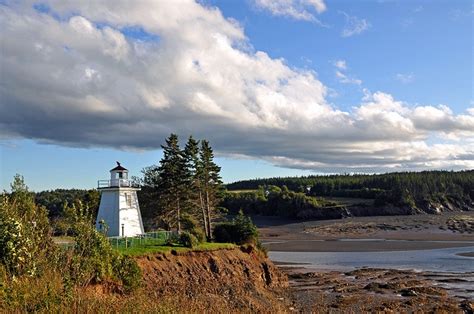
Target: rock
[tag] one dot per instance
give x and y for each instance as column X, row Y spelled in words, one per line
column 467, row 306
column 375, row 286
column 408, row 293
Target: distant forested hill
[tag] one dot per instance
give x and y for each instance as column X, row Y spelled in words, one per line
column 415, row 192
column 319, row 197
column 56, row 200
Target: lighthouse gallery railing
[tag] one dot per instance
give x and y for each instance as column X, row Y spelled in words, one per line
column 101, row 184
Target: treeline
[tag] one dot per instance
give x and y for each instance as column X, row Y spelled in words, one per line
column 402, row 189
column 275, row 201
column 62, row 203
column 57, row 200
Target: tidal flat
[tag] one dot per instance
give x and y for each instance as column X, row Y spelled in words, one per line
column 401, row 263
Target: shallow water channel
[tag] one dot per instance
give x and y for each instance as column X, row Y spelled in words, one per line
column 435, row 260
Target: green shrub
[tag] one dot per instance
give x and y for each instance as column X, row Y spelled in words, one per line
column 93, row 255
column 247, row 232
column 262, row 249
column 188, row 222
column 191, row 225
column 224, row 232
column 126, row 269
column 25, row 238
column 188, row 240
column 199, row 234
column 172, row 239
column 61, row 227
column 16, row 248
column 239, row 231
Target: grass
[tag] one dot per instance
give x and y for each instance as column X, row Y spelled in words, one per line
column 350, row 200
column 153, row 242
column 150, row 248
column 241, row 191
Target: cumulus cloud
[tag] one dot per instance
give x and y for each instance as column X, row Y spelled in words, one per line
column 354, row 25
column 295, row 9
column 72, row 76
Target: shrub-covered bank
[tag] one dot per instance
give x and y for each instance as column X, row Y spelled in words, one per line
column 36, row 275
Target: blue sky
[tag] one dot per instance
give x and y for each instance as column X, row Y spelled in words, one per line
column 51, row 166
column 278, row 87
column 431, row 40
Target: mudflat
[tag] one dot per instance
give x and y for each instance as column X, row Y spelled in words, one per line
column 379, row 290
column 380, row 233
column 372, row 289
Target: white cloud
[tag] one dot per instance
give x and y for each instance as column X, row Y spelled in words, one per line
column 296, row 9
column 341, row 68
column 405, row 77
column 354, row 25
column 79, row 81
column 343, row 78
column 340, row 64
column 442, row 119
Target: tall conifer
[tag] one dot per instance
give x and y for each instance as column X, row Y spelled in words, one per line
column 173, row 181
column 195, row 193
column 211, row 183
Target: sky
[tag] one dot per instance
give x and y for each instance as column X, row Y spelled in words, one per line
column 278, row 87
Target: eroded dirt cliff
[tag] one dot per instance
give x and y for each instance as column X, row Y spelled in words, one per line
column 236, row 279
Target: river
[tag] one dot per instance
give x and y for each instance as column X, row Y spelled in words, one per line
column 435, row 260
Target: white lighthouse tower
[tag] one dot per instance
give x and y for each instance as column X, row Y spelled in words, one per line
column 119, row 208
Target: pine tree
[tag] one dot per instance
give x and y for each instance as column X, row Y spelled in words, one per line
column 195, row 193
column 149, row 197
column 174, row 180
column 211, row 183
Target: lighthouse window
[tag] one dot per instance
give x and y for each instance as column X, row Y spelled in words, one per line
column 128, row 199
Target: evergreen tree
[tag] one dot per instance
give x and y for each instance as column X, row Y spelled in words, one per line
column 173, row 182
column 210, row 182
column 149, row 197
column 186, row 183
column 195, row 193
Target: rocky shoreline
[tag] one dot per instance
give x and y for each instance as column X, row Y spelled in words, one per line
column 370, row 289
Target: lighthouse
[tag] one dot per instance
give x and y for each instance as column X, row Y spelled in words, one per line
column 119, row 211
